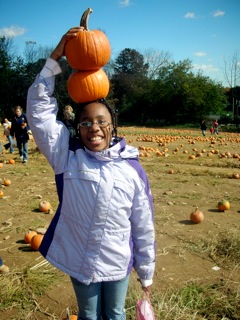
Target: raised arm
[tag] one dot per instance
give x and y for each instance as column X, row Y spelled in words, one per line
column 51, row 136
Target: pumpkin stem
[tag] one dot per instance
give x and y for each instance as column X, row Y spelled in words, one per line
column 68, row 314
column 84, row 19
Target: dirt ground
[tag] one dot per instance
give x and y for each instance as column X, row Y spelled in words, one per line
column 199, row 182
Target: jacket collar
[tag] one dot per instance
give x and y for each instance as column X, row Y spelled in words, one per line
column 117, row 150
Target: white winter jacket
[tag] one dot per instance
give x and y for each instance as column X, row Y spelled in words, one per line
column 103, row 225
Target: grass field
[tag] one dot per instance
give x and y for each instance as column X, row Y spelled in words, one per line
column 197, row 265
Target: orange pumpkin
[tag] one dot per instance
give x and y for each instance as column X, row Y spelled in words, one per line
column 1, row 165
column 84, row 86
column 72, row 317
column 28, row 236
column 36, row 241
column 7, row 182
column 191, row 156
column 223, row 205
column 196, row 216
column 1, row 193
column 44, row 206
column 11, row 161
column 90, row 49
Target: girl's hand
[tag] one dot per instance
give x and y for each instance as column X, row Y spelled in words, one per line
column 146, row 289
column 58, row 52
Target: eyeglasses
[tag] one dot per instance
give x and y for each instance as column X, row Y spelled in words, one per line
column 89, row 124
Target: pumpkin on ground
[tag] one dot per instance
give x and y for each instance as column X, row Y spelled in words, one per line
column 11, row 161
column 72, row 317
column 196, row 216
column 1, row 165
column 28, row 236
column 36, row 241
column 1, row 193
column 236, row 175
column 90, row 49
column 84, row 86
column 44, row 206
column 223, row 205
column 7, row 182
column 191, row 156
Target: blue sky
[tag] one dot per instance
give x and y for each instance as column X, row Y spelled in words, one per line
column 204, row 31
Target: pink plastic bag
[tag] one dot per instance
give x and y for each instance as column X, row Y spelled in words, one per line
column 144, row 310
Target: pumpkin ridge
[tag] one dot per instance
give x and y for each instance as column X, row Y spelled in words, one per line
column 88, row 85
column 90, row 49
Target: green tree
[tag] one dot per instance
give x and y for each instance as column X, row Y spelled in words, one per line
column 130, row 72
column 179, row 96
column 12, row 75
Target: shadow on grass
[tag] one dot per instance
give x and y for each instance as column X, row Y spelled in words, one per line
column 187, row 222
column 215, row 210
column 26, row 248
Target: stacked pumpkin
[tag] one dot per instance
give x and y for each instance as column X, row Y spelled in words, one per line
column 87, row 53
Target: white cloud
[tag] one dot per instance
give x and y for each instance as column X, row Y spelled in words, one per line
column 189, row 15
column 218, row 13
column 200, row 54
column 124, row 3
column 12, row 32
column 205, row 67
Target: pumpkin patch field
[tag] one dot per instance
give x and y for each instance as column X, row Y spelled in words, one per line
column 195, row 183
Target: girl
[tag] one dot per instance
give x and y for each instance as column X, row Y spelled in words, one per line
column 103, row 226
column 20, row 130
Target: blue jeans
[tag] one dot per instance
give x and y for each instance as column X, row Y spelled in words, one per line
column 9, row 144
column 22, row 145
column 101, row 300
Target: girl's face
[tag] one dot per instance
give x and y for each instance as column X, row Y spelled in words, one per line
column 18, row 112
column 96, row 137
column 68, row 108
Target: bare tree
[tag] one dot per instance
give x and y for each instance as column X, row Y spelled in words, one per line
column 34, row 52
column 231, row 72
column 30, row 51
column 156, row 60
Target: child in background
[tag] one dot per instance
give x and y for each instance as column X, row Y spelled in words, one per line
column 6, row 131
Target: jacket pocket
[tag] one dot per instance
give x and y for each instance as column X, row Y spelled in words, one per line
column 115, row 253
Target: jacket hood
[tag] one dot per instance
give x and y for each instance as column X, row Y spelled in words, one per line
column 118, row 150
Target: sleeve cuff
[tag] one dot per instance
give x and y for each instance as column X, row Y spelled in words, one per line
column 146, row 283
column 50, row 69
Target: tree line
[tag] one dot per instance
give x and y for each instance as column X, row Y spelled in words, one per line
column 146, row 89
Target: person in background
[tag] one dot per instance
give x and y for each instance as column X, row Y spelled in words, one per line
column 20, row 130
column 104, row 225
column 215, row 126
column 212, row 130
column 3, row 267
column 203, row 127
column 6, row 131
column 68, row 119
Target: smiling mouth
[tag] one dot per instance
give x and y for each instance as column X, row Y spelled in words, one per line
column 96, row 139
